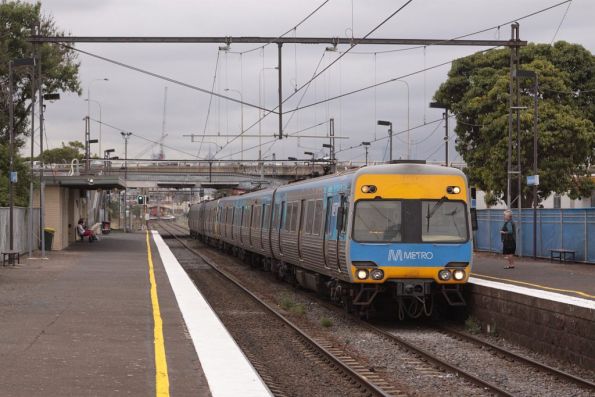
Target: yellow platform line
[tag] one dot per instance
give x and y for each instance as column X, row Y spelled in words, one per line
column 161, row 375
column 536, row 285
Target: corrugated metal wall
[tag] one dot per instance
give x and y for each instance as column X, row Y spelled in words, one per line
column 21, row 228
column 572, row 229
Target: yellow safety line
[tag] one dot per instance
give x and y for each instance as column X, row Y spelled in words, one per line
column 161, row 376
column 537, row 285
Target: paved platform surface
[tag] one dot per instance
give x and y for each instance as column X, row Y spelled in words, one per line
column 572, row 279
column 81, row 324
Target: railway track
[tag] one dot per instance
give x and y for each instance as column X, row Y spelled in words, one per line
column 430, row 361
column 315, row 348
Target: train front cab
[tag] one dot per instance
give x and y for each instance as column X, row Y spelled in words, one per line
column 410, row 236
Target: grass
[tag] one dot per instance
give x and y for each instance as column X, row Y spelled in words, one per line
column 472, row 325
column 286, row 302
column 326, row 322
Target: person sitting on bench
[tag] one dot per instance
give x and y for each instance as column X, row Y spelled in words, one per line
column 84, row 232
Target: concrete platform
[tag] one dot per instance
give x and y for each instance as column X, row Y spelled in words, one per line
column 81, row 324
column 572, row 279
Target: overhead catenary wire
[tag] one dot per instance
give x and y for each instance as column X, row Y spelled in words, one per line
column 162, row 77
column 327, row 67
column 561, row 22
column 210, row 102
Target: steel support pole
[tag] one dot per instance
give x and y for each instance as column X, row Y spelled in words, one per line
column 42, row 163
column 390, row 141
column 30, row 215
column 11, row 157
column 446, row 137
column 535, row 125
column 279, row 53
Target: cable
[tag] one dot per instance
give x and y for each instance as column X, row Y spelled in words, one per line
column 439, row 147
column 159, row 76
column 561, row 22
column 146, row 139
column 465, row 35
column 204, row 131
column 290, row 30
column 323, row 70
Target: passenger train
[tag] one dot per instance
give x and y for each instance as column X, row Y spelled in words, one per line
column 395, row 236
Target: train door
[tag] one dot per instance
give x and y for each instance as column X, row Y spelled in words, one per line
column 281, row 219
column 328, row 234
column 341, row 228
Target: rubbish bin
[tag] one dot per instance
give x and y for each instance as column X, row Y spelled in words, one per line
column 105, row 227
column 48, row 235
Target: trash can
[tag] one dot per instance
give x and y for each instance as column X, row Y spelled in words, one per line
column 48, row 235
column 105, row 227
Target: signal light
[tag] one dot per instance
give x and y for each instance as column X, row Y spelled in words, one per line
column 140, row 199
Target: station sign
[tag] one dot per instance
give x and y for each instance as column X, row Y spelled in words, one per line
column 13, row 177
column 533, row 180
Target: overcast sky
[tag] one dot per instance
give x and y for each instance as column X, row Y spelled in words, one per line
column 131, row 101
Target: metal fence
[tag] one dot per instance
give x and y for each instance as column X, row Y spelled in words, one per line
column 21, row 229
column 572, row 229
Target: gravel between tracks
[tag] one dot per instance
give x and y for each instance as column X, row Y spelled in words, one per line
column 413, row 376
column 279, row 354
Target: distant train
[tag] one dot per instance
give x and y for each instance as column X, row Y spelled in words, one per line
column 394, row 236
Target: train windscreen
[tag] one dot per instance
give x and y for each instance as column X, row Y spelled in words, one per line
column 410, row 221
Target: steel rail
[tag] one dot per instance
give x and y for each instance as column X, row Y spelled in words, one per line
column 351, row 372
column 519, row 357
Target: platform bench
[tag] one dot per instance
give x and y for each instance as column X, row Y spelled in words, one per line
column 561, row 254
column 10, row 257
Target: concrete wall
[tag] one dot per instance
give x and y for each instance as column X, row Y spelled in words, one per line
column 560, row 330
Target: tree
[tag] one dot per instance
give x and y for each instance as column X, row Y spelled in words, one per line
column 64, row 154
column 476, row 91
column 18, row 21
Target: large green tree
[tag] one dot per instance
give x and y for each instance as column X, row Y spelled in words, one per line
column 477, row 92
column 18, row 21
column 64, row 154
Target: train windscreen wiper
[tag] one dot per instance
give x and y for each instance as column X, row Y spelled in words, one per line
column 432, row 211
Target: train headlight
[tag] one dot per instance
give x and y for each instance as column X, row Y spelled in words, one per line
column 368, row 189
column 453, row 190
column 458, row 274
column 377, row 274
column 362, row 274
column 444, row 275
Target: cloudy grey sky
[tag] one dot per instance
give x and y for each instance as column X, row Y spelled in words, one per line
column 131, row 101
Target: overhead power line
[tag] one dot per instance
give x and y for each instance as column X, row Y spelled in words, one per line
column 162, row 77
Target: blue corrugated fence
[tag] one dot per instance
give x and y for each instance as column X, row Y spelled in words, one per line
column 572, row 229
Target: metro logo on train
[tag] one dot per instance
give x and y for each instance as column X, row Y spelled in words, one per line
column 398, row 255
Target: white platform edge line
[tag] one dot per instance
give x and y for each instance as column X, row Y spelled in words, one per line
column 537, row 293
column 226, row 368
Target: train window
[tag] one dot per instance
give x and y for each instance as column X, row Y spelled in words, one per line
column 443, row 221
column 282, row 216
column 377, row 221
column 276, row 215
column 309, row 216
column 266, row 208
column 294, row 217
column 256, row 216
column 317, row 217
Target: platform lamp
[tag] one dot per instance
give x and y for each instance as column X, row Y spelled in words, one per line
column 106, row 162
column 366, row 146
column 390, row 136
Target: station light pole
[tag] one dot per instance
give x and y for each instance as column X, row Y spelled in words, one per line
column 390, row 136
column 126, row 135
column 366, row 145
column 408, row 119
column 100, row 123
column 439, row 105
column 88, row 100
column 532, row 75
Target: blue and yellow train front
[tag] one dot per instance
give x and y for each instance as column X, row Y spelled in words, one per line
column 411, row 230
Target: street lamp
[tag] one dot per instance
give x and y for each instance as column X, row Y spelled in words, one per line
column 241, row 121
column 89, row 107
column 125, row 135
column 366, row 145
column 532, row 75
column 439, row 105
column 408, row 125
column 390, row 136
column 100, row 123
